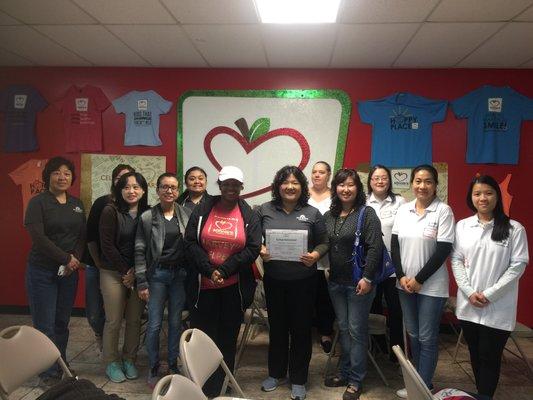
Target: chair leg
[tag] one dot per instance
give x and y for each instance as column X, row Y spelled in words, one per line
column 524, row 355
column 377, row 368
column 234, row 383
column 330, row 355
column 454, row 360
column 242, row 343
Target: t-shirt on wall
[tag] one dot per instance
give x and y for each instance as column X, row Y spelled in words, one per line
column 142, row 110
column 29, row 176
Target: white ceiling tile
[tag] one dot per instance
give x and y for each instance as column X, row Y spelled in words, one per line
column 378, row 11
column 526, row 15
column 445, row 44
column 7, row 20
column 127, row 11
column 478, row 10
column 8, row 59
column 375, row 45
column 94, row 43
column 32, row 45
column 46, row 12
column 229, row 45
column 301, row 46
column 510, row 47
column 171, row 49
column 213, row 11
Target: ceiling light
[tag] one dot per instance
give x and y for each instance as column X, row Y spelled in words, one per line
column 297, row 11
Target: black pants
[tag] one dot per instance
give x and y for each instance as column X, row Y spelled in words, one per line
column 219, row 315
column 324, row 313
column 290, row 315
column 486, row 347
column 388, row 289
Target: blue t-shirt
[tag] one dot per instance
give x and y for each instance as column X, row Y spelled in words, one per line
column 20, row 104
column 494, row 115
column 401, row 128
column 142, row 111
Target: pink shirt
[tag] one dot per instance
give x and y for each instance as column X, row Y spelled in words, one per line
column 222, row 236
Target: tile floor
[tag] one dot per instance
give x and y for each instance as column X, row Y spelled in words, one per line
column 85, row 359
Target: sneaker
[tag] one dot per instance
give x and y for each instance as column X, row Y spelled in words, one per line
column 402, row 393
column 351, row 393
column 335, row 381
column 269, row 384
column 130, row 370
column 298, row 392
column 114, row 372
column 153, row 377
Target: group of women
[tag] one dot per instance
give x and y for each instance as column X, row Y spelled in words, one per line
column 201, row 248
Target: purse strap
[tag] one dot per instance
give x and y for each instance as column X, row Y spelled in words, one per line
column 359, row 228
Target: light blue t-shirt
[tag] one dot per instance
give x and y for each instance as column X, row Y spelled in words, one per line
column 142, row 110
column 401, row 128
column 495, row 116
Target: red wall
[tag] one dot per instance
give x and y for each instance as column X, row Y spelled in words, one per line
column 449, row 137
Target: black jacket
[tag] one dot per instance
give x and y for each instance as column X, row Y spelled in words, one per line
column 239, row 263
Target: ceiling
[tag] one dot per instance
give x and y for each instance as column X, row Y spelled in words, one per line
column 228, row 34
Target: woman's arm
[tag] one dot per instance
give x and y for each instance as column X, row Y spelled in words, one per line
column 373, row 240
column 396, row 257
column 108, row 233
column 140, row 252
column 195, row 254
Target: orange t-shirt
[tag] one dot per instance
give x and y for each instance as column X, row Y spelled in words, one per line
column 30, row 178
column 222, row 236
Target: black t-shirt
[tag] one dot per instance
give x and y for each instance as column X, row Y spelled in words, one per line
column 63, row 226
column 93, row 233
column 172, row 246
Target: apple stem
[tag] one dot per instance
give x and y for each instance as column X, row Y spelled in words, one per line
column 243, row 127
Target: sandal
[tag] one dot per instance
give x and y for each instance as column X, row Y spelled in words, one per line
column 335, row 381
column 351, row 393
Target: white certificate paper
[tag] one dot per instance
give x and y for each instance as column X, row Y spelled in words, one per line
column 286, row 244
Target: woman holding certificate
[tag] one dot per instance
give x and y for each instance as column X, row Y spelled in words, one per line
column 296, row 238
column 223, row 238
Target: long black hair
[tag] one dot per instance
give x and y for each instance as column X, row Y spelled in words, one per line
column 117, row 170
column 389, row 175
column 54, row 164
column 340, row 176
column 281, row 176
column 121, row 184
column 502, row 224
column 181, row 198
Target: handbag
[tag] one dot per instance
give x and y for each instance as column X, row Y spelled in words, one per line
column 385, row 267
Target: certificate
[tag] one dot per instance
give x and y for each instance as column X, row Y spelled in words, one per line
column 286, row 244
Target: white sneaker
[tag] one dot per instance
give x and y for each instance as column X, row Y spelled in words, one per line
column 402, row 393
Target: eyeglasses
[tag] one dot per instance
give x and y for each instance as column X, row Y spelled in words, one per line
column 165, row 188
column 380, row 179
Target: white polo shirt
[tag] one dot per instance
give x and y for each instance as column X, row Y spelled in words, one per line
column 323, row 206
column 485, row 261
column 418, row 236
column 386, row 211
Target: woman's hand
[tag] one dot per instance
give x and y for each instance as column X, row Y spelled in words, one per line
column 128, row 279
column 310, row 258
column 216, row 277
column 404, row 280
column 265, row 255
column 414, row 285
column 144, row 294
column 363, row 287
column 73, row 264
column 478, row 300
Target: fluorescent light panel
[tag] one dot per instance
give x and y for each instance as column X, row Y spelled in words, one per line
column 297, row 11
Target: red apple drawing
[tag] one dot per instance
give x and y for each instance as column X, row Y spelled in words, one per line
column 249, row 139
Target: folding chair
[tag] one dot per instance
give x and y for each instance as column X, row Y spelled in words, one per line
column 177, row 387
column 201, row 357
column 24, row 353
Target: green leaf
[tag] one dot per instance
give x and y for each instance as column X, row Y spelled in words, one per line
column 258, row 129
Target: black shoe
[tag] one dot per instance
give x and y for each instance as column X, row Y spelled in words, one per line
column 326, row 345
column 335, row 381
column 351, row 393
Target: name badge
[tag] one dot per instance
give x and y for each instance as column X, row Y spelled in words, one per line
column 430, row 231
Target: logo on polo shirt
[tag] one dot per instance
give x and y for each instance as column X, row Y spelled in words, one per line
column 302, row 218
column 77, row 209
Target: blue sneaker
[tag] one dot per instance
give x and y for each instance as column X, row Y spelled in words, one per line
column 114, row 372
column 269, row 384
column 130, row 370
column 298, row 392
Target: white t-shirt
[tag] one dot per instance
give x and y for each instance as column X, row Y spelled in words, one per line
column 323, row 207
column 418, row 236
column 484, row 262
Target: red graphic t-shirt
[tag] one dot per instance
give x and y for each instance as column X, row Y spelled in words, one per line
column 222, row 236
column 30, row 178
column 82, row 117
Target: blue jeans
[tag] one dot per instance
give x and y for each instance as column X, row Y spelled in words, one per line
column 352, row 317
column 421, row 316
column 94, row 304
column 165, row 284
column 51, row 298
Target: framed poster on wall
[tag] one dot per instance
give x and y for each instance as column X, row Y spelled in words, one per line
column 260, row 131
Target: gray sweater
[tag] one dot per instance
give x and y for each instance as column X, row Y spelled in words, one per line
column 150, row 239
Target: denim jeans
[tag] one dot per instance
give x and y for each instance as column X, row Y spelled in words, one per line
column 421, row 316
column 165, row 284
column 352, row 317
column 94, row 304
column 51, row 298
